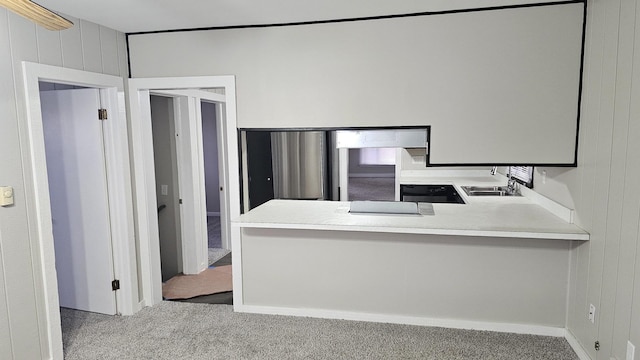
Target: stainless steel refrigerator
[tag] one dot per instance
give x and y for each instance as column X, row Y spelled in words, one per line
column 300, row 166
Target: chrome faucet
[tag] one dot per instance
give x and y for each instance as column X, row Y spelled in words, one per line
column 512, row 185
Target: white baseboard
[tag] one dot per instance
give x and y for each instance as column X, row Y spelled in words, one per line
column 576, row 346
column 217, row 213
column 139, row 306
column 406, row 320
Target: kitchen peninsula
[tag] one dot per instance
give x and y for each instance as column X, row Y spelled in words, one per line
column 494, row 263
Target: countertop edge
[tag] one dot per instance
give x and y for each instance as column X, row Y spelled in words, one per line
column 419, row 231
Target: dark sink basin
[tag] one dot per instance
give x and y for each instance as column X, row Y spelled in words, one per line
column 430, row 194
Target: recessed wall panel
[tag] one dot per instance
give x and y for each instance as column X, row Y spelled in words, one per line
column 496, row 86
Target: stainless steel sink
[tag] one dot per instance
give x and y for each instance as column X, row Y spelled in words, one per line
column 488, row 191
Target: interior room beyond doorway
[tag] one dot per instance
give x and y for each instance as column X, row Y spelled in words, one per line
column 169, row 142
column 372, row 174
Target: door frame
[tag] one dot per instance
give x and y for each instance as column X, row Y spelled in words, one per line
column 38, row 203
column 189, row 146
column 139, row 90
column 343, row 171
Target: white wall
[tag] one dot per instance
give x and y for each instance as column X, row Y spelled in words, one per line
column 604, row 187
column 463, row 74
column 493, row 280
column 414, row 160
column 359, row 170
column 164, row 154
column 86, row 46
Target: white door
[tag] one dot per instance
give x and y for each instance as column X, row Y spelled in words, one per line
column 74, row 146
column 193, row 209
column 191, row 175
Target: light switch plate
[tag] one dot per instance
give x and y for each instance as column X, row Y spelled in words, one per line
column 631, row 351
column 6, row 195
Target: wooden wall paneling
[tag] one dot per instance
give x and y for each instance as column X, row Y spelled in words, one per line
column 23, row 327
column 584, row 331
column 588, row 130
column 579, row 250
column 626, row 166
column 634, row 155
column 23, row 41
column 616, row 191
column 7, row 108
column 109, row 50
column 91, row 48
column 592, row 77
column 71, row 40
column 49, row 46
column 602, row 163
column 123, row 60
column 21, row 300
column 6, row 348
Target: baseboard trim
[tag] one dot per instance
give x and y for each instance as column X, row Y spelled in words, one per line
column 140, row 306
column 217, row 213
column 406, row 320
column 576, row 346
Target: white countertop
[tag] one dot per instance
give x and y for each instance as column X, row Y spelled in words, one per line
column 513, row 217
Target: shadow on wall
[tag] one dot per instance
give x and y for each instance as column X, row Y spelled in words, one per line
column 555, row 183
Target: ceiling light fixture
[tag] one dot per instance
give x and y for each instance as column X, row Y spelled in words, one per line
column 38, row 14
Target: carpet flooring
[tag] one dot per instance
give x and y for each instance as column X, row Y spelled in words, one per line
column 214, row 232
column 217, row 254
column 174, row 330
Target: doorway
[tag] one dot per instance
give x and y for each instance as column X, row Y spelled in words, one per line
column 174, row 183
column 372, row 174
column 39, row 201
column 79, row 192
column 211, row 129
column 187, row 94
column 259, row 174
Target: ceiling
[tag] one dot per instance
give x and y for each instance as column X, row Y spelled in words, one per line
column 155, row 15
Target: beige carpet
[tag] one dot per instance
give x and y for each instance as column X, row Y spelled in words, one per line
column 211, row 281
column 175, row 330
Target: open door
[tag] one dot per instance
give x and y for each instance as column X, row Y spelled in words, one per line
column 191, row 188
column 260, row 171
column 190, row 157
column 76, row 167
column 193, row 209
